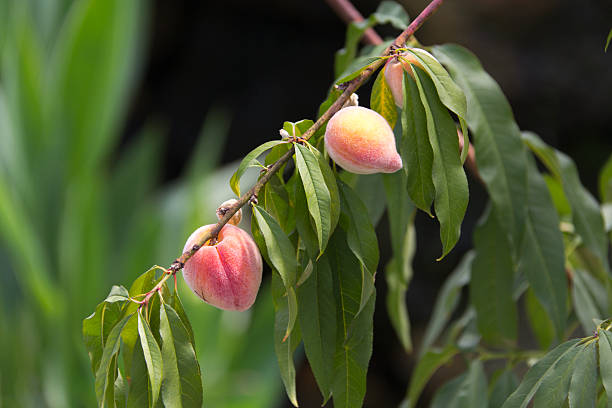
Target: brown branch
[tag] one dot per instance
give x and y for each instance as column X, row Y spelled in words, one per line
column 349, row 88
column 348, row 13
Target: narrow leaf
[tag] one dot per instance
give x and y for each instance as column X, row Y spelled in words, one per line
column 534, row 377
column 152, row 356
column 317, row 314
column 499, row 154
column 110, row 350
column 584, row 302
column 250, row 160
column 448, row 175
column 426, row 367
column 583, row 387
column 503, row 386
column 415, row 148
column 182, row 381
column 491, row 282
column 555, row 384
column 317, row 193
column 605, row 361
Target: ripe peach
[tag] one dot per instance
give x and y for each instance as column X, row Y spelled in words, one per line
column 362, row 142
column 224, row 208
column 394, row 70
column 226, row 274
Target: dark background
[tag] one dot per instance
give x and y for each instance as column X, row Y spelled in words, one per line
column 270, row 61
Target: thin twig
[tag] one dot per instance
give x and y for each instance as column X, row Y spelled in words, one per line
column 349, row 88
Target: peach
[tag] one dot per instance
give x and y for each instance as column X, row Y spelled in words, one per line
column 394, row 70
column 224, row 208
column 226, row 274
column 361, row 141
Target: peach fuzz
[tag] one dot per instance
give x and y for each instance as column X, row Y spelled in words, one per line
column 361, row 141
column 394, row 70
column 227, row 274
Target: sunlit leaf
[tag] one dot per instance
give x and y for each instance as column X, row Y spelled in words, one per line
column 381, row 99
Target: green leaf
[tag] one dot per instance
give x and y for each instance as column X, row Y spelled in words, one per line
column 583, row 387
column 415, row 148
column 111, row 348
column 605, row 182
column 399, row 270
column 283, row 346
column 390, row 12
column 608, row 40
column 182, row 381
column 503, row 386
column 298, row 128
column 542, row 256
column 536, row 374
column 356, row 67
column 317, row 314
column 95, row 59
column 381, row 99
column 117, row 294
column 278, row 246
column 97, row 328
column 250, row 160
column 332, row 187
column 584, row 302
column 354, row 329
column 177, row 305
column 539, row 321
column 605, row 361
column 152, row 356
column 304, row 222
column 448, row 175
column 317, row 193
column 555, row 383
column 491, row 282
column 466, row 391
column 121, row 390
column 499, row 154
column 426, row 367
column 447, row 300
column 586, row 214
column 276, row 202
column 138, row 390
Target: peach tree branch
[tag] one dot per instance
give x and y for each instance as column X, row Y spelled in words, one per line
column 349, row 88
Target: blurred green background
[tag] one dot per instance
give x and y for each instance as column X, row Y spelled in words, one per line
column 121, row 122
column 78, row 214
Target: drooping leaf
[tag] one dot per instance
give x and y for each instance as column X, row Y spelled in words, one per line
column 426, row 367
column 332, row 187
column 276, row 202
column 540, row 322
column 542, row 257
column 139, row 386
column 499, row 154
column 584, row 302
column 491, row 281
column 555, row 383
column 447, row 395
column 317, row 315
column 505, row 383
column 152, row 357
column 466, row 391
column 354, row 329
column 111, row 348
column 317, row 193
column 278, row 246
column 448, row 175
column 97, row 328
column 586, row 214
column 284, row 346
column 182, row 382
column 250, row 160
column 533, row 379
column 381, row 99
column 583, row 387
column 447, row 300
column 605, row 361
column 117, row 294
column 399, row 270
column 415, row 148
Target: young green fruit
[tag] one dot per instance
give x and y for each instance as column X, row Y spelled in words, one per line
column 226, row 274
column 361, row 141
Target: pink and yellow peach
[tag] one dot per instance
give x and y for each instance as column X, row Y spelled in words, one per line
column 227, row 274
column 361, row 141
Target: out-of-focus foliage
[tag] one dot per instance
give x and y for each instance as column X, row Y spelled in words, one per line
column 77, row 215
